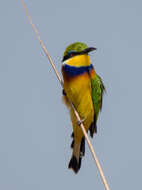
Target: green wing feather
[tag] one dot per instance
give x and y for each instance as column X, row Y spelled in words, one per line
column 97, row 97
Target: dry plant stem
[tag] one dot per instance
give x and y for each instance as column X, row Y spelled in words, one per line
column 76, row 113
column 41, row 42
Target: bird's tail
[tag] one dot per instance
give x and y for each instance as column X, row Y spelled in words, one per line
column 78, row 152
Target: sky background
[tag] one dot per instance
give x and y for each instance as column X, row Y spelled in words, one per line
column 35, row 126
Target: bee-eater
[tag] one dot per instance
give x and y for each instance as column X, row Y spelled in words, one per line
column 85, row 90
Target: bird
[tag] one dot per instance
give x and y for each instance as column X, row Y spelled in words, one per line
column 85, row 89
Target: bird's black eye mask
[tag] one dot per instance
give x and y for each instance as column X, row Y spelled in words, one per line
column 70, row 54
column 74, row 53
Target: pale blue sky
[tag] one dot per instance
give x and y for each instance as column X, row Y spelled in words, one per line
column 35, row 126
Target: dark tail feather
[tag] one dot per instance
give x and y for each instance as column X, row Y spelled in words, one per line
column 72, row 144
column 93, row 127
column 75, row 163
column 72, row 135
column 82, row 147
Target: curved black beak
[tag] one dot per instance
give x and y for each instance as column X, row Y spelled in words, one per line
column 88, row 50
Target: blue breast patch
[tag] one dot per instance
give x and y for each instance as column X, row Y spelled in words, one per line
column 74, row 71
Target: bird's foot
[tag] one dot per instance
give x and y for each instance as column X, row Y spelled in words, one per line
column 79, row 122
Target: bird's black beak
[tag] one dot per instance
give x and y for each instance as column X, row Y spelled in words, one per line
column 88, row 50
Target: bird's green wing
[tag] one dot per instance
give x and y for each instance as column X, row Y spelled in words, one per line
column 97, row 97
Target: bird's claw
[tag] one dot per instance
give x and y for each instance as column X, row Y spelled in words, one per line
column 79, row 122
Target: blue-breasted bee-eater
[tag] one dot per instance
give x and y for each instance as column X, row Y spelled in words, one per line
column 85, row 90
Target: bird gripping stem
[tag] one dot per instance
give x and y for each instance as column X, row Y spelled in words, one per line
column 62, row 84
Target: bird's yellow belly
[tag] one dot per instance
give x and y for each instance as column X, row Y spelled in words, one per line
column 78, row 90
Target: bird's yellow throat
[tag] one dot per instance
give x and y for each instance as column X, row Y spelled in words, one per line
column 78, row 61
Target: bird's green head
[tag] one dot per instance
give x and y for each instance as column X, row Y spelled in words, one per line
column 77, row 48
